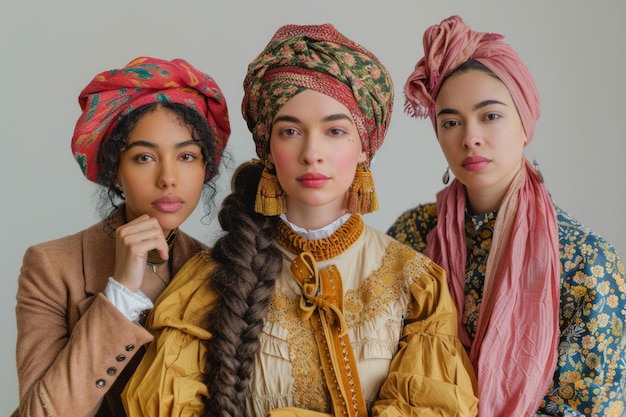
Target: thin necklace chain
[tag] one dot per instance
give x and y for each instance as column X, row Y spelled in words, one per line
column 154, row 260
column 153, row 268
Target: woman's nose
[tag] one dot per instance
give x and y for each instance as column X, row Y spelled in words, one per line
column 311, row 149
column 168, row 174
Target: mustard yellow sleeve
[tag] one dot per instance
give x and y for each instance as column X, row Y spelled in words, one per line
column 431, row 374
column 296, row 412
column 169, row 379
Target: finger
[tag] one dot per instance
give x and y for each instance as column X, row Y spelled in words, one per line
column 141, row 223
column 141, row 232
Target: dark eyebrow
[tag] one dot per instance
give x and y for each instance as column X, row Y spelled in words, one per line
column 338, row 116
column 329, row 118
column 486, row 103
column 286, row 118
column 478, row 106
column 153, row 145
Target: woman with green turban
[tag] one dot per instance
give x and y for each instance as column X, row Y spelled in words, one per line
column 301, row 309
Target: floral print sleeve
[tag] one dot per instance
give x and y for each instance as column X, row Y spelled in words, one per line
column 590, row 376
column 412, row 227
column 591, row 370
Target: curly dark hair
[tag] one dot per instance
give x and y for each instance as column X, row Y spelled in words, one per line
column 247, row 265
column 109, row 152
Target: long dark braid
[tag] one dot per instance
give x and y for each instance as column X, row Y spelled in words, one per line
column 247, row 267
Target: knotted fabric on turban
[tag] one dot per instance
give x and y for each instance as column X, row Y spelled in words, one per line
column 115, row 93
column 452, row 43
column 319, row 58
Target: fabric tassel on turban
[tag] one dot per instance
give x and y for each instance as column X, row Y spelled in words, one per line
column 514, row 350
column 115, row 93
column 320, row 58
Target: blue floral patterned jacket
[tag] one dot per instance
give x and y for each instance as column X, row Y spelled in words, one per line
column 590, row 375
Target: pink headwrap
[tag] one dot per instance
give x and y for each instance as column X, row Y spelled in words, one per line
column 115, row 93
column 450, row 44
column 514, row 351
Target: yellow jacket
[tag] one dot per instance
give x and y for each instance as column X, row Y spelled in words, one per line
column 427, row 373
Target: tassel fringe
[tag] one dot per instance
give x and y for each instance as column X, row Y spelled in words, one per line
column 362, row 197
column 270, row 197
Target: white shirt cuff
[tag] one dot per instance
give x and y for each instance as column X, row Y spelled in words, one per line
column 131, row 304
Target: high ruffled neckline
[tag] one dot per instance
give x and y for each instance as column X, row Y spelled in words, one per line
column 321, row 233
column 322, row 249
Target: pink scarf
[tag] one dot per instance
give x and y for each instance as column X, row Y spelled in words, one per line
column 515, row 349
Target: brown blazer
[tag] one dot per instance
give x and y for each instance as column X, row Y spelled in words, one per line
column 73, row 346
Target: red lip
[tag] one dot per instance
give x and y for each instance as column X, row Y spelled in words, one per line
column 475, row 163
column 313, row 179
column 168, row 204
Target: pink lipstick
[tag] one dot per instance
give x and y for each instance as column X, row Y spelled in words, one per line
column 168, row 204
column 313, row 180
column 475, row 163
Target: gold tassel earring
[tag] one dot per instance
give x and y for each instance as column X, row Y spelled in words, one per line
column 270, row 197
column 362, row 197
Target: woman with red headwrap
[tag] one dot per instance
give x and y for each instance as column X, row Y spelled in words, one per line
column 303, row 310
column 541, row 299
column 151, row 135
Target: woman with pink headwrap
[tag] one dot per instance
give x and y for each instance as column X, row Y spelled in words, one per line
column 151, row 135
column 302, row 309
column 541, row 299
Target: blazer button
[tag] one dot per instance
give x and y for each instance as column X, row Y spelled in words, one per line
column 120, row 358
column 111, row 371
column 130, row 348
column 100, row 383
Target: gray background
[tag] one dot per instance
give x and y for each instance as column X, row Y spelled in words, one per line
column 50, row 50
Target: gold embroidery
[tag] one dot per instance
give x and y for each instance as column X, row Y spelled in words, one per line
column 309, row 386
column 387, row 285
column 384, row 286
column 322, row 302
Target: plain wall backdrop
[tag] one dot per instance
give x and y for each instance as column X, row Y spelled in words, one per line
column 50, row 50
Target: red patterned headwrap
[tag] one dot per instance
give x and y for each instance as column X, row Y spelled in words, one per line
column 115, row 93
column 320, row 58
column 452, row 43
